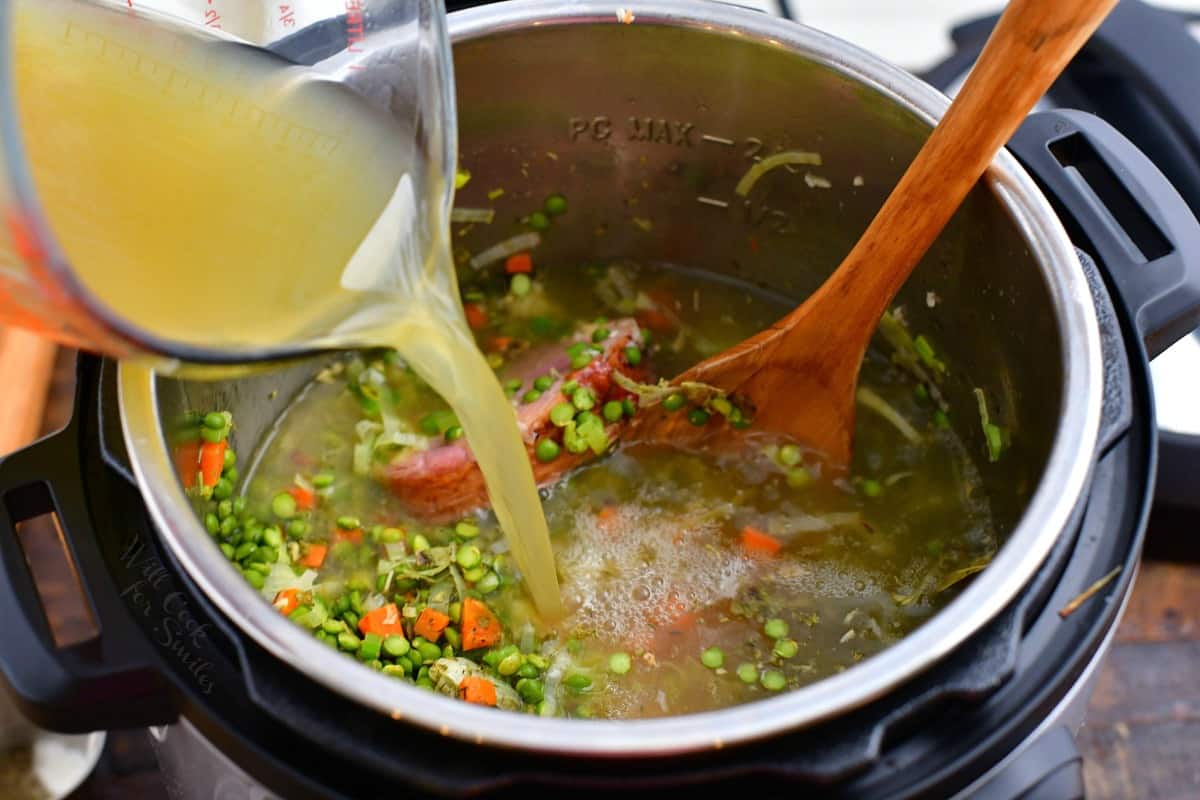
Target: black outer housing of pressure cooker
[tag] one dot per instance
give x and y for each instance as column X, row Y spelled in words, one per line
column 931, row 737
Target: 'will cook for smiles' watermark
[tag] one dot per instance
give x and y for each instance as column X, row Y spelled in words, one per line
column 173, row 627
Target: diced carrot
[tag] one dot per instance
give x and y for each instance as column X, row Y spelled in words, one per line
column 187, row 463
column 477, row 316
column 287, row 601
column 757, row 543
column 477, row 689
column 384, row 621
column 518, row 262
column 314, row 555
column 656, row 321
column 212, row 461
column 498, row 344
column 306, row 499
column 480, row 628
column 430, row 624
column 342, row 535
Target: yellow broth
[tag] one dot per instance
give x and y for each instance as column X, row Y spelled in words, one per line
column 667, row 611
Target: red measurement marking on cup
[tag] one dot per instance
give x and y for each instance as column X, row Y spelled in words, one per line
column 287, row 16
column 211, row 18
column 355, row 25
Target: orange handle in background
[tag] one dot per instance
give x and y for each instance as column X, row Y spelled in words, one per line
column 26, row 370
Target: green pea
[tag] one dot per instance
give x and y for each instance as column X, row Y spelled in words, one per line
column 528, row 670
column 538, row 221
column 396, row 646
column 531, row 690
column 214, row 420
column 620, row 663
column 556, row 204
column 532, row 396
column 475, row 574
column 600, row 334
column 789, row 455
column 265, row 555
column 773, row 680
column 581, row 360
column 211, row 436
column 212, row 524
column 239, row 505
column 230, row 474
column 283, row 505
column 348, row 642
column 396, row 670
column 798, row 477
column 466, row 530
column 775, row 628
column 454, row 433
column 419, row 543
column 674, row 402
column 323, row 480
column 509, row 665
column 721, row 406
column 872, row 487
column 512, row 386
column 230, row 458
column 391, row 535
column 520, row 285
column 698, row 417
column 786, row 648
column 468, row 557
column 543, row 382
column 578, row 682
column 713, row 658
column 244, row 550
column 255, row 579
column 228, row 550
column 547, row 450
column 584, row 398
column 748, row 673
column 348, row 523
column 488, row 583
column 297, row 528
column 333, row 626
column 633, row 356
column 429, row 651
column 252, row 535
column 613, row 410
column 223, row 489
column 570, row 387
column 629, row 406
column 272, row 537
column 562, row 413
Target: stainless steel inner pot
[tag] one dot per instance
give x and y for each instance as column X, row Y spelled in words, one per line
column 654, row 120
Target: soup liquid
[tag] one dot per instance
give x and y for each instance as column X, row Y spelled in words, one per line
column 214, row 195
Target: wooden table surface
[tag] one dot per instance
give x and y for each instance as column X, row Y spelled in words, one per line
column 1142, row 734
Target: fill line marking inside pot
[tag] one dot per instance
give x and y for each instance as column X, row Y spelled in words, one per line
column 717, row 139
column 711, row 201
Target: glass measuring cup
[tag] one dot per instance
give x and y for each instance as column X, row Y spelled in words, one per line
column 120, row 237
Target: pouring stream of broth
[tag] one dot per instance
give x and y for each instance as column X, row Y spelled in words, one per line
column 198, row 186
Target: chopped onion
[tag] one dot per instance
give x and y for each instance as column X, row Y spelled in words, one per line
column 771, row 162
column 816, row 181
column 373, row 601
column 484, row 215
column 501, row 251
column 881, row 407
column 282, row 576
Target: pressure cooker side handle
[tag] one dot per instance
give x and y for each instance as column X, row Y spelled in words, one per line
column 108, row 681
column 1118, row 206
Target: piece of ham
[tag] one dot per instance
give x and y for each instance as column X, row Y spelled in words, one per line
column 444, row 482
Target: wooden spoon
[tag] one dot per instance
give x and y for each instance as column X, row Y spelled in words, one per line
column 800, row 375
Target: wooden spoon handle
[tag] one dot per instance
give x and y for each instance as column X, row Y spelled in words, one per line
column 1030, row 46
